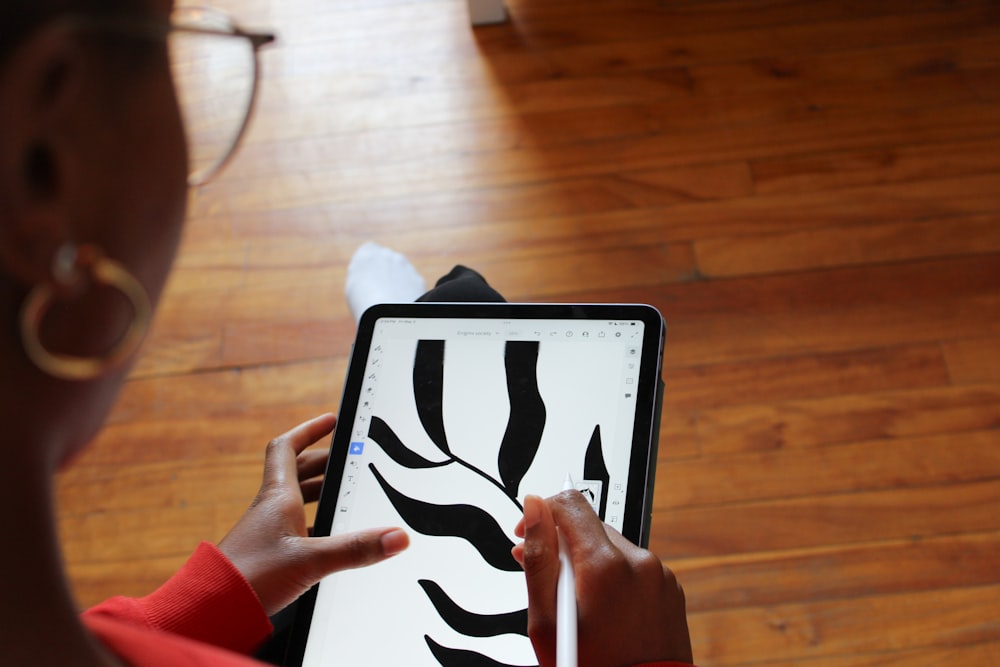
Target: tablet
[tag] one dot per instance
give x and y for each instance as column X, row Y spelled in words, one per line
column 451, row 414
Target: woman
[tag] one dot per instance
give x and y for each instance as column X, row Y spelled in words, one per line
column 94, row 171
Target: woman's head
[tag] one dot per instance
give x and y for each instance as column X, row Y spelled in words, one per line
column 92, row 153
column 19, row 18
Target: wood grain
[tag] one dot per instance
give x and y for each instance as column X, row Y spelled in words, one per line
column 838, row 572
column 847, row 517
column 808, row 190
column 933, row 619
column 847, row 245
column 973, row 360
column 811, row 423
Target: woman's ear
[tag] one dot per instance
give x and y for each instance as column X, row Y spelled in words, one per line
column 39, row 85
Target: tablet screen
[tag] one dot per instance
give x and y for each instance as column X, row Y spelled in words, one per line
column 455, row 421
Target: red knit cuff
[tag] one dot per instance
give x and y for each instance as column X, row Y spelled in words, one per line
column 210, row 601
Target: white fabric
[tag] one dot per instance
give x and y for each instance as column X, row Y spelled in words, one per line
column 378, row 274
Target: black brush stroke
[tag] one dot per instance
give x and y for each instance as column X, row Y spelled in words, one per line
column 390, row 443
column 594, row 467
column 465, row 521
column 471, row 624
column 428, row 390
column 456, row 657
column 527, row 414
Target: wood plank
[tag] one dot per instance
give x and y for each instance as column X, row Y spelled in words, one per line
column 694, row 17
column 168, row 532
column 804, row 376
column 912, row 63
column 679, row 437
column 701, row 33
column 838, row 572
column 794, row 173
column 847, row 245
column 885, row 204
column 200, row 481
column 829, row 35
column 180, row 436
column 935, row 619
column 986, row 83
column 705, row 481
column 840, row 419
column 590, row 194
column 853, row 308
column 269, row 152
column 653, row 150
column 973, row 360
column 303, row 65
column 816, row 521
column 684, row 533
column 427, row 236
column 272, row 116
column 979, row 653
column 95, row 582
column 898, row 463
column 185, row 473
column 626, row 266
column 233, row 392
column 680, row 222
column 712, row 480
column 532, row 86
column 307, row 324
column 558, row 268
column 839, row 310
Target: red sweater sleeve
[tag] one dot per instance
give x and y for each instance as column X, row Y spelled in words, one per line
column 208, row 600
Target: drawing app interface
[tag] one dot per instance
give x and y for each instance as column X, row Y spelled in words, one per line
column 457, row 421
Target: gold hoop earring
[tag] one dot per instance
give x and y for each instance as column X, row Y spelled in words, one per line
column 71, row 268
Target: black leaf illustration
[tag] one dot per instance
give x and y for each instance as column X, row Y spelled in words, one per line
column 455, row 657
column 527, row 414
column 428, row 389
column 594, row 467
column 466, row 521
column 390, row 443
column 472, row 624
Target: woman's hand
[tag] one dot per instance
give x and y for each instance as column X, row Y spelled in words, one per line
column 270, row 544
column 631, row 608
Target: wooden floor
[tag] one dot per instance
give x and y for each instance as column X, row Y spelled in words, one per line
column 809, row 191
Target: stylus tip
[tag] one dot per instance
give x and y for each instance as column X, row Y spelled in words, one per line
column 568, row 484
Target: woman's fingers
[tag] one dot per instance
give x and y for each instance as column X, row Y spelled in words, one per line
column 310, row 432
column 539, row 556
column 311, row 489
column 585, row 534
column 281, row 467
column 623, row 591
column 312, row 463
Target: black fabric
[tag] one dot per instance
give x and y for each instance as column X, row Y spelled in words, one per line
column 462, row 285
column 273, row 650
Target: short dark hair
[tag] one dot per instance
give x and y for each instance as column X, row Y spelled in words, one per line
column 19, row 18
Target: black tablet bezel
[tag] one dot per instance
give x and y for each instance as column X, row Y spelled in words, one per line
column 645, row 437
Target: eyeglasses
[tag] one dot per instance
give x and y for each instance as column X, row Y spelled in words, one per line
column 216, row 74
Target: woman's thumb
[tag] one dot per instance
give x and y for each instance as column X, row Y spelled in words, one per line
column 358, row 549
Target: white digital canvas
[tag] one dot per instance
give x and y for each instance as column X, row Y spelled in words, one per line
column 452, row 432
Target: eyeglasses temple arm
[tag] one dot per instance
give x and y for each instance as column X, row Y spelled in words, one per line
column 259, row 39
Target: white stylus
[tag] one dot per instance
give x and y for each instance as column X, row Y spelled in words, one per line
column 566, row 602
